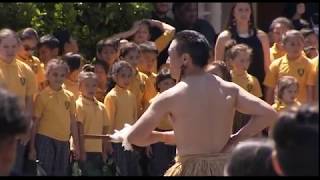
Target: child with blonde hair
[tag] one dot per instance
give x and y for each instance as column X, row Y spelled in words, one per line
column 287, row 91
column 55, row 121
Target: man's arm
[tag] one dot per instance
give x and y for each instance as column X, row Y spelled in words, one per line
column 263, row 115
column 141, row 133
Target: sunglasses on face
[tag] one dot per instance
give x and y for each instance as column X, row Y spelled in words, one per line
column 28, row 48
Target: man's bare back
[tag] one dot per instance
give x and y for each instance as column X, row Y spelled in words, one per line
column 202, row 110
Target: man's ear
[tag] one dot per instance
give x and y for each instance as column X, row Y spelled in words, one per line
column 275, row 164
column 186, row 59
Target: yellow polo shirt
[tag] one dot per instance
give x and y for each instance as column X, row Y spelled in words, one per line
column 37, row 67
column 137, row 87
column 164, row 122
column 314, row 72
column 150, row 89
column 121, row 107
column 53, row 108
column 93, row 116
column 18, row 78
column 280, row 106
column 248, row 82
column 276, row 53
column 100, row 94
column 299, row 68
column 72, row 86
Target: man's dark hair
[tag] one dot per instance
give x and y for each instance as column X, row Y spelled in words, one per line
column 296, row 137
column 49, row 41
column 73, row 60
column 251, row 158
column 12, row 119
column 195, row 44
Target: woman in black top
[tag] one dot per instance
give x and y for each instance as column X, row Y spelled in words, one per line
column 241, row 28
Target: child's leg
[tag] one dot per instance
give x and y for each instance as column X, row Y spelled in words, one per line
column 61, row 161
column 20, row 152
column 93, row 165
column 45, row 153
column 133, row 157
column 120, row 158
column 162, row 158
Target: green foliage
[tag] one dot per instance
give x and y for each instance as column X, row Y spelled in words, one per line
column 88, row 22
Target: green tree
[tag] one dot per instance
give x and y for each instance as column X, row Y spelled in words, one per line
column 88, row 22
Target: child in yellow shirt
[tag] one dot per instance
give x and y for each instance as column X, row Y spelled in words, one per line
column 149, row 55
column 278, row 27
column 48, row 48
column 121, row 108
column 71, row 82
column 287, row 90
column 93, row 119
column 239, row 57
column 161, row 155
column 294, row 63
column 130, row 52
column 101, row 69
column 55, row 121
column 29, row 41
column 107, row 51
column 18, row 78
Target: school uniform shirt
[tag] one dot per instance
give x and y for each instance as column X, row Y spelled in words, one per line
column 93, row 116
column 150, row 91
column 37, row 67
column 121, row 107
column 299, row 68
column 100, row 94
column 280, row 106
column 18, row 78
column 314, row 72
column 72, row 87
column 276, row 53
column 248, row 82
column 165, row 121
column 137, row 87
column 53, row 108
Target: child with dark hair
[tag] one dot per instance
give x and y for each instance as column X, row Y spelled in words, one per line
column 107, row 50
column 67, row 42
column 73, row 60
column 162, row 155
column 12, row 124
column 251, row 158
column 311, row 43
column 296, row 137
column 29, row 40
column 48, row 48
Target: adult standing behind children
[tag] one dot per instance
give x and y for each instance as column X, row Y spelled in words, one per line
column 242, row 29
column 201, row 107
column 186, row 17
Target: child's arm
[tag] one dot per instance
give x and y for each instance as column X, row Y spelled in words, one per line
column 167, row 35
column 269, row 92
column 106, row 145
column 28, row 110
column 127, row 34
column 81, row 142
column 75, row 135
column 32, row 153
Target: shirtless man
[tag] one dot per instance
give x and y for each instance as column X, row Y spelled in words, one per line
column 201, row 107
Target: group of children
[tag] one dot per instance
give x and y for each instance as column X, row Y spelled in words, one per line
column 69, row 100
